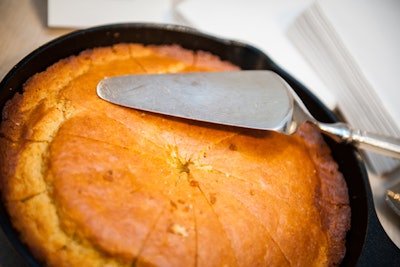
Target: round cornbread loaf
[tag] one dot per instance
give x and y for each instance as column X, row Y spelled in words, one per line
column 89, row 183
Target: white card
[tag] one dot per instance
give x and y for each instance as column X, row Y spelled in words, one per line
column 88, row 13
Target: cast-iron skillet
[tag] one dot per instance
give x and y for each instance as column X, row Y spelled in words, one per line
column 367, row 243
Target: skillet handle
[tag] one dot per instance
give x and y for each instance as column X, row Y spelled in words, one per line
column 341, row 132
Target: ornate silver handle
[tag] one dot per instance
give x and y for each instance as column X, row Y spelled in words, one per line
column 341, row 132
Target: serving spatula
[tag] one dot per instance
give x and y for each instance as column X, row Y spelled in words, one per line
column 257, row 99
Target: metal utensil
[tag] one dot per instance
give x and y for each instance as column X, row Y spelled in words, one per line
column 257, row 99
column 393, row 198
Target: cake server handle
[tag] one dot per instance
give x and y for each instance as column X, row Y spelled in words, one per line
column 384, row 145
column 341, row 132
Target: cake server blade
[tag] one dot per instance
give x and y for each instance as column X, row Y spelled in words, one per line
column 257, row 99
column 250, row 99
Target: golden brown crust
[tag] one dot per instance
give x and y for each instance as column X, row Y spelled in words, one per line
column 90, row 183
column 332, row 195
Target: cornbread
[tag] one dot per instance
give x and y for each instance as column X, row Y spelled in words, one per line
column 89, row 183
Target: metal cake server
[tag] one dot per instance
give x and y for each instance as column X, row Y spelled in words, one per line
column 257, row 99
